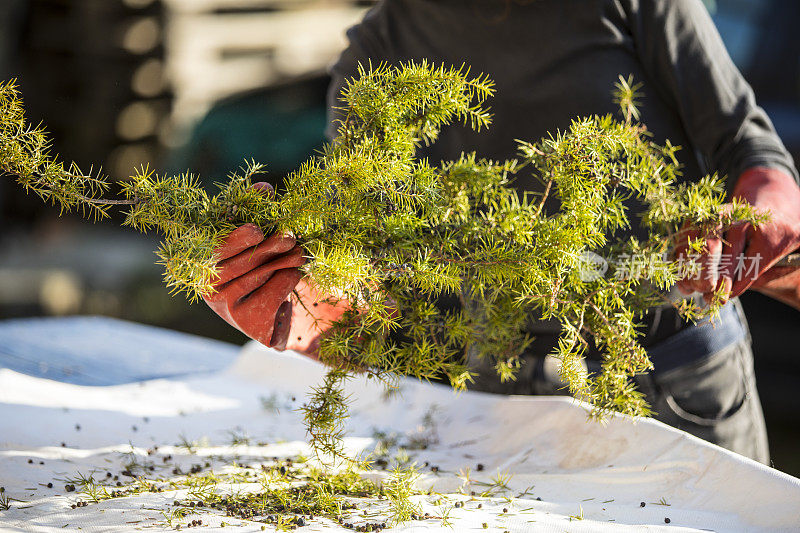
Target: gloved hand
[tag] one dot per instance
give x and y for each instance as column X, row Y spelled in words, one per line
column 313, row 312
column 747, row 257
column 256, row 276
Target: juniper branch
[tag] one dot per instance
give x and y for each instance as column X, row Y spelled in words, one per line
column 390, row 233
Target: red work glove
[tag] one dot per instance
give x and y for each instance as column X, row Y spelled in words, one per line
column 313, row 312
column 747, row 257
column 257, row 275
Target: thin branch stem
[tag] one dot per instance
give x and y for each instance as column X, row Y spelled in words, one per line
column 544, row 197
column 103, row 201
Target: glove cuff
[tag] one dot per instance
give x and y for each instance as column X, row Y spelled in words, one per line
column 762, row 179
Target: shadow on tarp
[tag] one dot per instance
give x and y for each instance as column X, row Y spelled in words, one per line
column 106, row 351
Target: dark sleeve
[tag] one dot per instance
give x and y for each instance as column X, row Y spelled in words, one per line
column 365, row 44
column 687, row 62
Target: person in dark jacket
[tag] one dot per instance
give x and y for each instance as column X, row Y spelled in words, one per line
column 554, row 60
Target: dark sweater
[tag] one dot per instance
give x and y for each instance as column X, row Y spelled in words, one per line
column 554, row 60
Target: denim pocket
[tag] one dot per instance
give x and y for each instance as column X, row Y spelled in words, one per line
column 708, row 391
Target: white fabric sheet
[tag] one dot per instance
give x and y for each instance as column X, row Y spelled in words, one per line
column 590, row 477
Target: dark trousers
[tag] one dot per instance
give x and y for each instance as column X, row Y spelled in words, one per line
column 703, row 383
column 711, row 392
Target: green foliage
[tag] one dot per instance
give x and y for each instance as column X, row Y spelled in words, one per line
column 5, row 502
column 325, row 415
column 25, row 154
column 399, row 488
column 285, row 493
column 390, row 233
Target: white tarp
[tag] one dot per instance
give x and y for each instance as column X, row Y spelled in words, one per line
column 589, row 477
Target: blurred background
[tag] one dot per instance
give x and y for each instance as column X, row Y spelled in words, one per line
column 204, row 84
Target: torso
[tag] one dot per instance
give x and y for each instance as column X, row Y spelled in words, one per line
column 551, row 60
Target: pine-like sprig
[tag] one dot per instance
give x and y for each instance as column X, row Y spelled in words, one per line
column 25, row 154
column 390, row 233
